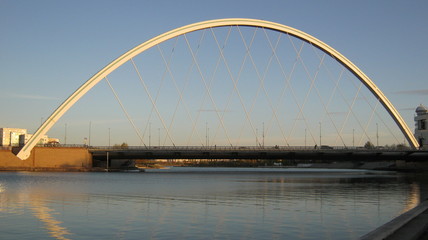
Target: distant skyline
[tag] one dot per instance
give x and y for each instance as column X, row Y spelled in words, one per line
column 49, row 48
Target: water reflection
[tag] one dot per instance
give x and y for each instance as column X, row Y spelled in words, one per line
column 18, row 202
column 201, row 205
column 45, row 215
column 413, row 197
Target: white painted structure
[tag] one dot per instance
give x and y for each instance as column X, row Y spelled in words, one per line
column 421, row 126
column 24, row 138
column 13, row 137
column 103, row 73
column 10, row 136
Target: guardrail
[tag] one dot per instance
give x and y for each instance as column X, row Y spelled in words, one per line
column 250, row 148
column 323, row 148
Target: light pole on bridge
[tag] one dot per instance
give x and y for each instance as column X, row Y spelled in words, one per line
column 257, row 137
column 353, row 137
column 377, row 135
column 89, row 139
column 305, row 138
column 108, row 152
column 263, row 135
column 207, row 135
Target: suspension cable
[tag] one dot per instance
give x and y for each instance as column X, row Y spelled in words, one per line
column 152, row 101
column 262, row 80
column 206, row 86
column 124, row 110
column 288, row 86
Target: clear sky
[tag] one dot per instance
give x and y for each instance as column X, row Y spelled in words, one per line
column 49, row 48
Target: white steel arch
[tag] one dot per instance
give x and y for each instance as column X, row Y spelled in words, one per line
column 24, row 153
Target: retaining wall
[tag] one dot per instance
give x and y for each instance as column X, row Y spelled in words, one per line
column 48, row 159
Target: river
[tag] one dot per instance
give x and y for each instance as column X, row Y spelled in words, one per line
column 203, row 203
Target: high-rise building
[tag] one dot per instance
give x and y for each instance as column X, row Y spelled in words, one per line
column 421, row 126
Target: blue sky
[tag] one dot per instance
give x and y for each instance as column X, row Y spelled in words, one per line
column 49, row 48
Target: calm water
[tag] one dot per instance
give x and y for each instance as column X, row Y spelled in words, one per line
column 202, row 203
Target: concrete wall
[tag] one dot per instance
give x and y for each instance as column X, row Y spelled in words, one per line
column 48, row 159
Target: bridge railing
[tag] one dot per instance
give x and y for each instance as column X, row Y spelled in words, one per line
column 246, row 148
column 323, row 148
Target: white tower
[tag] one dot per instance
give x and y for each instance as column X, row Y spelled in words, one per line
column 421, row 126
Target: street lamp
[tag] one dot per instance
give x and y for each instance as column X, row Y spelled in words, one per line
column 207, row 136
column 108, row 152
column 377, row 135
column 150, row 132
column 89, row 140
column 159, row 137
column 109, row 137
column 263, row 135
column 65, row 134
column 353, row 138
column 257, row 140
column 305, row 138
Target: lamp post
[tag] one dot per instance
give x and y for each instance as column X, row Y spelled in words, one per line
column 150, row 132
column 377, row 135
column 109, row 137
column 263, row 135
column 353, row 137
column 207, row 135
column 305, row 138
column 320, row 134
column 108, row 152
column 65, row 134
column 257, row 139
column 89, row 139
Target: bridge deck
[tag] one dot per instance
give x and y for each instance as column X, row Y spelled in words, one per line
column 256, row 153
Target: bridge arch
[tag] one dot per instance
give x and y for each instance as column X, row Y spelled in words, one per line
column 24, row 153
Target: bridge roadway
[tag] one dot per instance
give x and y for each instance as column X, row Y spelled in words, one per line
column 216, row 152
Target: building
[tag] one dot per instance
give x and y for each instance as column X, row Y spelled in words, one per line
column 18, row 137
column 23, row 139
column 10, row 136
column 421, row 126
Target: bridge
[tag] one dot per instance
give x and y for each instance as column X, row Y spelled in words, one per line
column 227, row 82
column 267, row 153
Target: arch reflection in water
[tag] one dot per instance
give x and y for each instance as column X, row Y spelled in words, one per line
column 45, row 215
column 184, row 203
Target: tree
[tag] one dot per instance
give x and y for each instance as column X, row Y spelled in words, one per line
column 369, row 145
column 121, row 146
column 402, row 146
